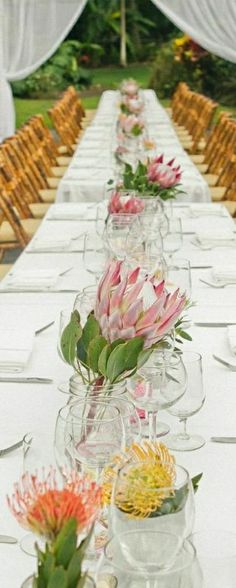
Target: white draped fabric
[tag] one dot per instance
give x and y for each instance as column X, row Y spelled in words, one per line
column 211, row 23
column 30, row 32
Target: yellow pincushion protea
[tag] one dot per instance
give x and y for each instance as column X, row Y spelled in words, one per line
column 139, row 493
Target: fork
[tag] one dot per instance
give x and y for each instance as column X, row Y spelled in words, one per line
column 214, row 285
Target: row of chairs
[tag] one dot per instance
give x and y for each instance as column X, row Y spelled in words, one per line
column 215, row 153
column 31, row 164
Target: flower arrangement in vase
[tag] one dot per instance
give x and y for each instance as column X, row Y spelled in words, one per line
column 155, row 177
column 63, row 516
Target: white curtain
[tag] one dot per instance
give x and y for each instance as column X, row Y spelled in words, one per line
column 30, row 32
column 211, row 23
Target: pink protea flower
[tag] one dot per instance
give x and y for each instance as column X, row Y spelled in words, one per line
column 129, row 87
column 127, row 307
column 131, row 123
column 39, row 505
column 130, row 205
column 163, row 173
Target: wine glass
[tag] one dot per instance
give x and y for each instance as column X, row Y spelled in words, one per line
column 157, row 386
column 189, row 405
column 115, row 565
column 149, row 263
column 95, row 255
column 179, row 276
column 129, row 415
column 174, row 238
column 101, row 216
column 85, row 302
column 120, row 233
column 152, row 496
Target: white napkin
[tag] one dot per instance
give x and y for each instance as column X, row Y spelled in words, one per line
column 216, row 238
column 206, row 210
column 224, row 273
column 49, row 244
column 67, row 212
column 31, row 279
column 15, row 350
column 231, row 334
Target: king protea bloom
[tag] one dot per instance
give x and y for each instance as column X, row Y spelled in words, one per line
column 128, row 307
column 162, row 173
column 132, row 205
column 131, row 123
column 41, row 506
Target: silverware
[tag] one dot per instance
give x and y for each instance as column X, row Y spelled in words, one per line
column 8, row 539
column 193, row 266
column 38, row 331
column 66, row 271
column 25, row 380
column 11, row 448
column 223, row 439
column 214, row 325
column 214, row 285
column 231, row 366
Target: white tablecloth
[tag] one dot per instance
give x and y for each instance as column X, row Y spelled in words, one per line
column 26, row 407
column 93, row 162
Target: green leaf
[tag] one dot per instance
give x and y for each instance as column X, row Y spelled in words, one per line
column 195, row 482
column 65, row 544
column 143, row 357
column 124, row 357
column 94, row 350
column 105, row 354
column 90, row 331
column 70, row 337
column 183, row 334
column 48, row 567
column 58, row 578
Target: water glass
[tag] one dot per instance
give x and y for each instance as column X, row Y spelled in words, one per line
column 174, row 238
column 95, row 255
column 179, row 276
column 189, row 405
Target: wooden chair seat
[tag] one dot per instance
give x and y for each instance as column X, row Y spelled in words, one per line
column 59, row 171
column 231, row 206
column 48, row 195
column 4, row 269
column 62, row 160
column 211, row 179
column 53, row 182
column 197, row 158
column 62, row 149
column 39, row 209
column 202, row 167
column 7, row 235
column 218, row 193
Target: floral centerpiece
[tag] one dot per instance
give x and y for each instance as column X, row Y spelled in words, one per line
column 130, row 319
column 131, row 125
column 61, row 516
column 129, row 87
column 131, row 105
column 155, row 178
column 124, row 204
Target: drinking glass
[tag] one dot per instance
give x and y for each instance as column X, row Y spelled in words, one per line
column 174, row 238
column 115, row 565
column 155, row 497
column 101, row 216
column 95, row 255
column 121, row 232
column 97, row 434
column 179, row 276
column 79, row 391
column 149, row 263
column 189, row 405
column 85, row 302
column 157, row 386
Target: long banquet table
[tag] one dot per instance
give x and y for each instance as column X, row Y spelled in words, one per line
column 93, row 162
column 30, row 407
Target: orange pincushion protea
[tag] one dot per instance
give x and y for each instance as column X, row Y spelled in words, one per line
column 158, row 467
column 39, row 505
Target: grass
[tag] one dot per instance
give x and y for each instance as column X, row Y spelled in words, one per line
column 111, row 77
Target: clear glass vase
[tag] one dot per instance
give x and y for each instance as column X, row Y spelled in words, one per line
column 78, row 389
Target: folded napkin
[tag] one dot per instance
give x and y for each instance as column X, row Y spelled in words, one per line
column 231, row 334
column 67, row 212
column 224, row 273
column 216, row 238
column 15, row 350
column 31, row 279
column 206, row 210
column 49, row 244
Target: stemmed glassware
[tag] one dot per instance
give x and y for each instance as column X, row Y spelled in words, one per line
column 121, row 233
column 157, row 386
column 179, row 276
column 95, row 255
column 189, row 405
column 174, row 238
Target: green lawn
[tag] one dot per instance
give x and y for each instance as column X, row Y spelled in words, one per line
column 111, row 77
